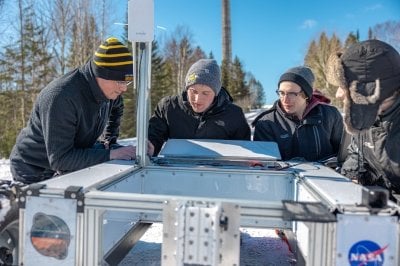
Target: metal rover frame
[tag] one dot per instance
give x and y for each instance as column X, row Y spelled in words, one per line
column 113, row 204
column 202, row 198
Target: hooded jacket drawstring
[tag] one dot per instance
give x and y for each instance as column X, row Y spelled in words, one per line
column 360, row 161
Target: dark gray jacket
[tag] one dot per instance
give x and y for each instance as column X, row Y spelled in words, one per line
column 175, row 118
column 69, row 116
column 374, row 154
column 315, row 137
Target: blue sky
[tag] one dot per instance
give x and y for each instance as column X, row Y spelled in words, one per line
column 271, row 36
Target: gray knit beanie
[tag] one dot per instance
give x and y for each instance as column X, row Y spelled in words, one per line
column 302, row 76
column 206, row 72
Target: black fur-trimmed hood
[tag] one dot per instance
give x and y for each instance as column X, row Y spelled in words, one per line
column 369, row 73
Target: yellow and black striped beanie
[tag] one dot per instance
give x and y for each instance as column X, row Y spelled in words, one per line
column 113, row 61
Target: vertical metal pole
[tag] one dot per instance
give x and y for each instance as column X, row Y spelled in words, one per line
column 143, row 66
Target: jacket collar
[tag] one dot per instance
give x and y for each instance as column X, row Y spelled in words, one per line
column 87, row 71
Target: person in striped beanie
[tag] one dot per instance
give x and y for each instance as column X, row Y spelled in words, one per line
column 76, row 118
column 113, row 61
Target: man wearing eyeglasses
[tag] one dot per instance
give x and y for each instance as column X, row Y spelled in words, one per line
column 75, row 120
column 301, row 121
column 203, row 111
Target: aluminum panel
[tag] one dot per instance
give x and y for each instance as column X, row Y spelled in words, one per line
column 210, row 183
column 367, row 240
column 53, row 208
column 218, row 148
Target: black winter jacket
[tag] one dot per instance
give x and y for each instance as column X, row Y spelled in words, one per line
column 69, row 116
column 315, row 137
column 374, row 154
column 174, row 118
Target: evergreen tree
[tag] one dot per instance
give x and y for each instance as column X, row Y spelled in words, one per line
column 26, row 69
column 128, row 121
column 160, row 77
column 238, row 88
column 317, row 58
column 350, row 39
column 10, row 127
column 257, row 94
column 27, row 62
column 225, row 74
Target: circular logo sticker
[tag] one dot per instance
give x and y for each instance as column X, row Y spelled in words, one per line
column 366, row 253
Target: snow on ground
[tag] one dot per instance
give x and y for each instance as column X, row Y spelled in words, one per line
column 259, row 246
column 250, row 116
column 5, row 169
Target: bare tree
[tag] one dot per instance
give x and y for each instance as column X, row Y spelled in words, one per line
column 101, row 10
column 389, row 32
column 60, row 14
column 22, row 60
column 85, row 35
column 1, row 16
column 180, row 55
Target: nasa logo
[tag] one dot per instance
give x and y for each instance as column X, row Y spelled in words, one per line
column 366, row 253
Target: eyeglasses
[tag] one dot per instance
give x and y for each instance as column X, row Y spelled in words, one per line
column 290, row 94
column 124, row 83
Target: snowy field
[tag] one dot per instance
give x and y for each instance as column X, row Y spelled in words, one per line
column 259, row 246
column 4, row 169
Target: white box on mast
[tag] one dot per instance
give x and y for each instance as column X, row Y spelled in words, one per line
column 141, row 20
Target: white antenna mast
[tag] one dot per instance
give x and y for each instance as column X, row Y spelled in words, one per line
column 141, row 34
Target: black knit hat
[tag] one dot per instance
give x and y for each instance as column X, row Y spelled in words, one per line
column 369, row 73
column 302, row 76
column 113, row 61
column 206, row 72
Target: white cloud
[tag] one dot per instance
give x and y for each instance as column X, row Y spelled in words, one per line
column 308, row 24
column 373, row 7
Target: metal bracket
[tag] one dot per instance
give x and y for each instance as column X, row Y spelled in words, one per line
column 125, row 244
column 75, row 192
column 307, row 211
column 31, row 190
column 201, row 233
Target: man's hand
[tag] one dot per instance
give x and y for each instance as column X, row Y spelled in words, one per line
column 129, row 152
column 150, row 148
column 123, row 153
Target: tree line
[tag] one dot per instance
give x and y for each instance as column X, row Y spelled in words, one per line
column 320, row 49
column 51, row 38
